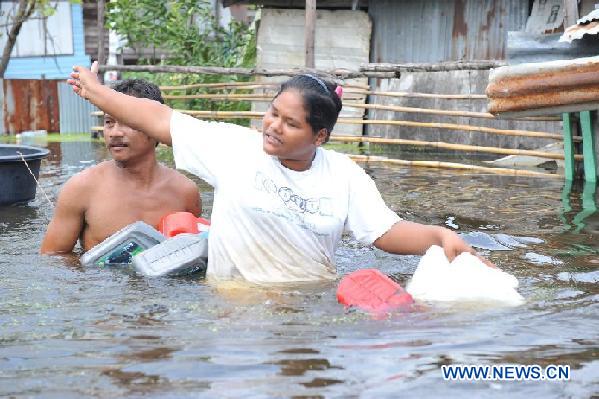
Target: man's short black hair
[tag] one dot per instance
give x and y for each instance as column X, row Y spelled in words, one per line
column 139, row 88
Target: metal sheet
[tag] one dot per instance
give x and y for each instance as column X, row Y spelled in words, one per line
column 30, row 105
column 544, row 86
column 1, row 106
column 546, row 16
column 452, row 30
column 587, row 25
column 75, row 113
column 526, row 47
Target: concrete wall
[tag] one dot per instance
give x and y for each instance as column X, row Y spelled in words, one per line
column 342, row 41
column 454, row 82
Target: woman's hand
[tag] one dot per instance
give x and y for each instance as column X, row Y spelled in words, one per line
column 406, row 237
column 453, row 245
column 84, row 80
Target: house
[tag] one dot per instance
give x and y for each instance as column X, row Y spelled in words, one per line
column 425, row 31
column 34, row 88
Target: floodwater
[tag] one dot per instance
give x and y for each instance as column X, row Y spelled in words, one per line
column 70, row 332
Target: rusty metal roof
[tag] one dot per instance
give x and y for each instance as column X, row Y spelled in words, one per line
column 587, row 25
column 544, row 88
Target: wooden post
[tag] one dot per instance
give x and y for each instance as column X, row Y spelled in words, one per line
column 101, row 51
column 309, row 32
column 568, row 147
column 571, row 12
column 588, row 147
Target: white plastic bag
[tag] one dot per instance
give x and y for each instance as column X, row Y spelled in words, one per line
column 466, row 279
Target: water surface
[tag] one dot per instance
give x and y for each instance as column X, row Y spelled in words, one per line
column 70, row 332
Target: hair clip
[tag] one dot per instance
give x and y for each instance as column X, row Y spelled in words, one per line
column 339, row 91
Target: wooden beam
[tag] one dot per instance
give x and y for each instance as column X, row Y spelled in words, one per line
column 309, row 32
column 101, row 30
column 571, row 12
column 340, row 73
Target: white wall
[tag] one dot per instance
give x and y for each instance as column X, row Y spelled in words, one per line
column 38, row 37
column 342, row 40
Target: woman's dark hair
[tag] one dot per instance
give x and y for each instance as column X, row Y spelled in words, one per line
column 321, row 102
column 139, row 88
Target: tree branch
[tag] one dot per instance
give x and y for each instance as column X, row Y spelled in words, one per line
column 24, row 11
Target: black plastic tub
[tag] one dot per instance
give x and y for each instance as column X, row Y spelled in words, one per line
column 16, row 183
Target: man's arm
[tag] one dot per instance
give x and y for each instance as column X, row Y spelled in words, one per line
column 67, row 223
column 193, row 200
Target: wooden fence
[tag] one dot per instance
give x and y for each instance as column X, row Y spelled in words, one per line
column 353, row 97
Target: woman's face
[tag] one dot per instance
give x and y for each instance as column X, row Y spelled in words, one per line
column 287, row 134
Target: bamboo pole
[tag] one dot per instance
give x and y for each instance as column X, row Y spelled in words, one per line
column 457, row 147
column 434, row 111
column 450, row 146
column 237, row 85
column 438, row 144
column 427, row 95
column 429, row 67
column 216, row 97
column 347, row 88
column 355, row 89
column 368, row 70
column 353, row 121
column 431, row 111
column 395, row 108
column 250, row 85
column 212, row 70
column 453, row 126
column 453, row 165
column 235, row 97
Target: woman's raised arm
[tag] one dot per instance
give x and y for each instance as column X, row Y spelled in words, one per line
column 142, row 114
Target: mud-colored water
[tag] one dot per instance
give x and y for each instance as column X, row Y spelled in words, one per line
column 71, row 332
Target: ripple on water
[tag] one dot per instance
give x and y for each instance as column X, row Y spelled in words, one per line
column 68, row 331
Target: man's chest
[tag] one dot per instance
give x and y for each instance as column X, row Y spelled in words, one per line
column 108, row 212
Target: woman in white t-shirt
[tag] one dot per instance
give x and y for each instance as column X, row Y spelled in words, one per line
column 281, row 202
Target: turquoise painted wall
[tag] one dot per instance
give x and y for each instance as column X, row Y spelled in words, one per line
column 57, row 67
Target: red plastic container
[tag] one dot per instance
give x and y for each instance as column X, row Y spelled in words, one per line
column 182, row 222
column 371, row 290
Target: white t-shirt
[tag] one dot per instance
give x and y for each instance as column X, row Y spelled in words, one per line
column 269, row 223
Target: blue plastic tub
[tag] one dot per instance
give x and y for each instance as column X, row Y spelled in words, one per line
column 16, row 183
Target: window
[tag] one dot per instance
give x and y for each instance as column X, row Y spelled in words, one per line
column 40, row 36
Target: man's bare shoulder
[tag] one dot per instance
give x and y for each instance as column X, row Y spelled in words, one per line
column 88, row 178
column 178, row 180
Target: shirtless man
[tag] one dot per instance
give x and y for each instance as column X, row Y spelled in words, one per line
column 101, row 200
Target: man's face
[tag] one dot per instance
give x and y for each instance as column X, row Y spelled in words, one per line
column 125, row 143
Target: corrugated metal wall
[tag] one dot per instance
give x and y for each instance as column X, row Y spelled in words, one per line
column 443, row 30
column 1, row 106
column 30, row 105
column 75, row 113
column 43, row 105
